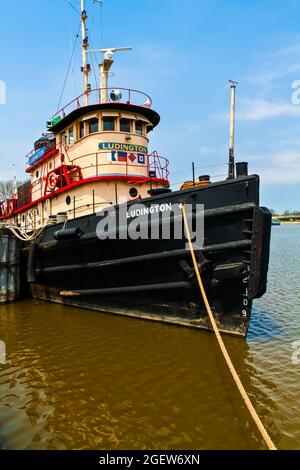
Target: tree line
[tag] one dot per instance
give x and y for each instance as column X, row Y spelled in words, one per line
column 7, row 188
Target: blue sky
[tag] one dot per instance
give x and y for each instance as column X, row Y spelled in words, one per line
column 184, row 53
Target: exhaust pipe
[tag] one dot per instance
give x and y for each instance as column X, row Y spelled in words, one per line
column 241, row 169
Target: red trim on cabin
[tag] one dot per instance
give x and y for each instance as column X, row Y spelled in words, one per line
column 52, row 152
column 130, row 180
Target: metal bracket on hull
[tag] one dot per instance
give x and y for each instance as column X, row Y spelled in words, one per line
column 202, row 264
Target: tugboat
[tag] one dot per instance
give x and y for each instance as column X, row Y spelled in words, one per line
column 93, row 165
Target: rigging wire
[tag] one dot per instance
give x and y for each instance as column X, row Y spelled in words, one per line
column 94, row 67
column 198, row 168
column 71, row 45
column 69, row 66
column 73, row 7
column 95, row 64
column 101, row 23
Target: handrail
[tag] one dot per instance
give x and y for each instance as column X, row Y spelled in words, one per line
column 33, row 151
column 129, row 101
column 153, row 162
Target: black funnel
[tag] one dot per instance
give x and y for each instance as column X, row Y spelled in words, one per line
column 241, row 169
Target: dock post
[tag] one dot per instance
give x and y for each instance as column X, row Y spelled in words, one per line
column 9, row 268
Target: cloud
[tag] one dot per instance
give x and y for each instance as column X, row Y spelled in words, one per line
column 257, row 110
column 207, row 150
column 267, row 77
column 194, row 128
column 289, row 50
column 280, row 168
column 261, row 109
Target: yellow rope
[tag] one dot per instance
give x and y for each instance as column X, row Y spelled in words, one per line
column 234, row 374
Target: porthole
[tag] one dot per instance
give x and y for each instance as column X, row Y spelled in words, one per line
column 37, row 174
column 68, row 200
column 133, row 192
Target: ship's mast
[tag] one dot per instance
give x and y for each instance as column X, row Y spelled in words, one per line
column 105, row 66
column 85, row 44
column 231, row 169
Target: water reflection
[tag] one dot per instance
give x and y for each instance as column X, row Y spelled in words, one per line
column 85, row 380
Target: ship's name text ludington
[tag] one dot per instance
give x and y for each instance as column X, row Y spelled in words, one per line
column 156, row 222
column 122, row 147
column 149, row 210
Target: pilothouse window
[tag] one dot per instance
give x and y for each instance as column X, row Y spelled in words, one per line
column 109, row 124
column 125, row 125
column 139, row 127
column 81, row 129
column 93, row 125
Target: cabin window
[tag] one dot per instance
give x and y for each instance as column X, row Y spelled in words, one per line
column 63, row 137
column 125, row 125
column 37, row 174
column 139, row 127
column 109, row 123
column 81, row 129
column 71, row 136
column 93, row 125
column 68, row 200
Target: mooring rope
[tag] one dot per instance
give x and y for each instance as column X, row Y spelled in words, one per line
column 21, row 234
column 229, row 362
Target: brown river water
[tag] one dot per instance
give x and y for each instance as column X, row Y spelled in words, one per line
column 75, row 379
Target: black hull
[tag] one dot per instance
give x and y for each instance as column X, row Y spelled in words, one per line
column 155, row 279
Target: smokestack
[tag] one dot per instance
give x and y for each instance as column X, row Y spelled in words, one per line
column 231, row 166
column 241, row 169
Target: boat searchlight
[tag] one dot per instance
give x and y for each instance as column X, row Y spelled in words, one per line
column 116, row 95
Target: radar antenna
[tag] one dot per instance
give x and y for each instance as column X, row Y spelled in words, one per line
column 105, row 67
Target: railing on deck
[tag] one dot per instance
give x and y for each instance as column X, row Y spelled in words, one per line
column 103, row 96
column 155, row 167
column 154, row 163
column 31, row 154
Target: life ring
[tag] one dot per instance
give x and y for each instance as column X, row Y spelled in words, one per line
column 52, row 180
